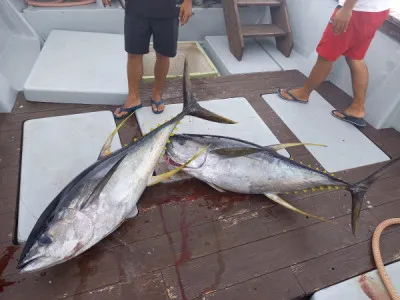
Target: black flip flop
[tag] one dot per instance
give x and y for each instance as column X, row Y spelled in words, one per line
column 359, row 122
column 291, row 95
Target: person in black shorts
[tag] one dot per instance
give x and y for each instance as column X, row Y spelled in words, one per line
column 143, row 19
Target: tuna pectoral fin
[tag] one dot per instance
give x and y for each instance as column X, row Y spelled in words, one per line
column 216, row 187
column 278, row 147
column 106, row 149
column 133, row 213
column 237, row 151
column 280, row 201
column 243, row 151
column 157, row 179
column 100, row 186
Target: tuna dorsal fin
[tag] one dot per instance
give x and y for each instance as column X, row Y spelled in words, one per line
column 278, row 147
column 96, row 192
column 237, row 151
column 280, row 201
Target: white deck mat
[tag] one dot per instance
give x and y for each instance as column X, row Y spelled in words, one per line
column 347, row 147
column 255, row 58
column 54, row 151
column 250, row 126
column 90, row 68
column 79, row 67
column 352, row 288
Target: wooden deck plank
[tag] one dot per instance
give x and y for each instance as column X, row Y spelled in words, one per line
column 278, row 285
column 9, row 178
column 10, row 148
column 93, row 270
column 326, row 270
column 7, row 227
column 8, row 201
column 223, row 242
column 149, row 286
column 224, row 268
column 387, row 211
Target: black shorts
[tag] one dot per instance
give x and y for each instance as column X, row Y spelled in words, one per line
column 139, row 29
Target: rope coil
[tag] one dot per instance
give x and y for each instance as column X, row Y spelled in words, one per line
column 378, row 257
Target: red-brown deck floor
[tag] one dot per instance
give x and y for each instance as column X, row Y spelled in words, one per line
column 192, row 242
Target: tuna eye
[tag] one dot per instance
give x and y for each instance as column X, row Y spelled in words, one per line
column 44, row 240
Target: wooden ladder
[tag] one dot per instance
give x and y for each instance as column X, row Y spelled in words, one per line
column 279, row 28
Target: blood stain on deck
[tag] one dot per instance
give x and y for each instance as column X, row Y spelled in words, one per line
column 8, row 254
column 373, row 290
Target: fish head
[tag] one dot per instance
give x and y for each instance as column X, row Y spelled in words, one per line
column 182, row 148
column 64, row 238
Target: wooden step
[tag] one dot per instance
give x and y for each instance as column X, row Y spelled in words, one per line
column 258, row 2
column 262, row 30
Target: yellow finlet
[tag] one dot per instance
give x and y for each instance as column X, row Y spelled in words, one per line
column 305, row 191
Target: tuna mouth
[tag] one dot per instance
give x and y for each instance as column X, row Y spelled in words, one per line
column 170, row 161
column 23, row 264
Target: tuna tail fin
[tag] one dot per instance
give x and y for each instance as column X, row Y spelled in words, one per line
column 190, row 105
column 359, row 190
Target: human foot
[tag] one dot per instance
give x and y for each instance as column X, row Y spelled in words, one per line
column 294, row 95
column 353, row 111
column 353, row 114
column 129, row 106
column 157, row 103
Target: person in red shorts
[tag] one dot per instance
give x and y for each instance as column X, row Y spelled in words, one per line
column 349, row 33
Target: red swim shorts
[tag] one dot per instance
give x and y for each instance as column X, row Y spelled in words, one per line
column 355, row 42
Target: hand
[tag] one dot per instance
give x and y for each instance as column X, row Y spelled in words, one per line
column 106, row 2
column 185, row 12
column 341, row 20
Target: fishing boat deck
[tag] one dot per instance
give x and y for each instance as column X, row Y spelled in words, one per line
column 192, row 242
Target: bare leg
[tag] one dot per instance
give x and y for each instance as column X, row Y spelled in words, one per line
column 161, row 69
column 359, row 76
column 321, row 70
column 135, row 74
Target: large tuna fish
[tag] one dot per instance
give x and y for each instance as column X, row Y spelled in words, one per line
column 105, row 194
column 243, row 167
